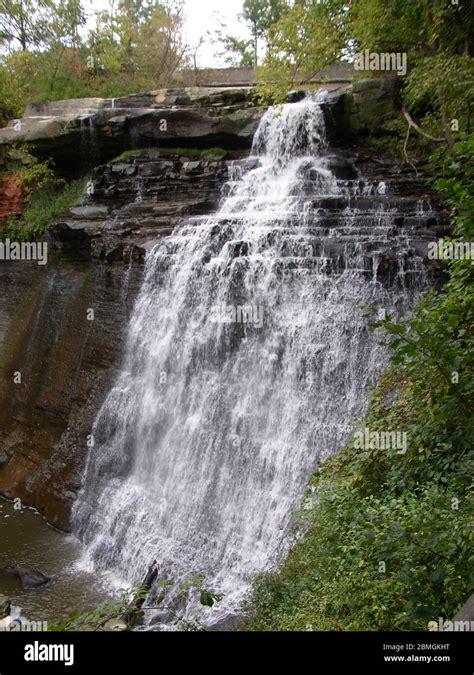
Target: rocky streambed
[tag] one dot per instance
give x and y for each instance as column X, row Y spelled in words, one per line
column 28, row 542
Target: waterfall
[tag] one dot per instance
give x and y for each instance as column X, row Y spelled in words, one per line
column 247, row 360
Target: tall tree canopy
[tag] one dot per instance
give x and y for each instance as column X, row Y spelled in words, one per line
column 47, row 52
column 437, row 37
column 258, row 16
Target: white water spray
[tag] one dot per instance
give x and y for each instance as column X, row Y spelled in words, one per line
column 205, row 443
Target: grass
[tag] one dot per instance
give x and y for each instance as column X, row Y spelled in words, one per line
column 45, row 205
column 191, row 153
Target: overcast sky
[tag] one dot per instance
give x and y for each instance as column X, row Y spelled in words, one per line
column 202, row 16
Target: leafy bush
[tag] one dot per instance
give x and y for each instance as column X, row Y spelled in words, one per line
column 48, row 203
column 48, row 198
column 192, row 153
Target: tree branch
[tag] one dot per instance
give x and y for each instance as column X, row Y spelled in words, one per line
column 414, row 125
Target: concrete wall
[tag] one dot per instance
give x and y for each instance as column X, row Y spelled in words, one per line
column 241, row 77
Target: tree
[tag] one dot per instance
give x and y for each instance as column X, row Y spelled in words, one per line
column 304, row 40
column 236, row 51
column 260, row 16
column 30, row 23
column 23, row 22
column 140, row 38
column 437, row 36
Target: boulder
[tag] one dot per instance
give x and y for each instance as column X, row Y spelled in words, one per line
column 89, row 212
column 366, row 107
column 115, row 626
column 5, row 605
column 466, row 613
column 227, row 623
column 30, row 578
column 192, row 167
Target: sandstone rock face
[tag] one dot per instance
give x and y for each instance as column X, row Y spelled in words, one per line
column 135, row 201
column 11, row 197
column 81, row 133
column 366, row 107
column 66, row 363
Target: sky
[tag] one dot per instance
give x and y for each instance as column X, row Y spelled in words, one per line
column 202, row 17
column 205, row 15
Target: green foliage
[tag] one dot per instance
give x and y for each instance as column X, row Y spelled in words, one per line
column 259, row 17
column 47, row 195
column 305, row 39
column 35, row 23
column 238, row 52
column 48, row 198
column 437, row 37
column 440, row 88
column 193, row 583
column 35, row 174
column 456, row 183
column 137, row 46
column 388, row 543
column 49, row 202
column 192, row 153
column 96, row 618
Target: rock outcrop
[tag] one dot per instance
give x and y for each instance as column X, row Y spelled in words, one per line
column 11, row 197
column 81, row 133
column 5, row 606
column 29, row 578
column 137, row 199
column 56, row 366
column 367, row 107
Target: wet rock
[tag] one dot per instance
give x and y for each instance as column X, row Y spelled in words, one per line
column 120, row 168
column 151, row 168
column 5, row 605
column 239, row 248
column 87, row 212
column 115, row 626
column 250, row 163
column 295, row 95
column 160, row 617
column 29, row 578
column 192, row 167
column 341, row 167
column 227, row 623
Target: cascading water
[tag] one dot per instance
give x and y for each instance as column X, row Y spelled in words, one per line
column 248, row 357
